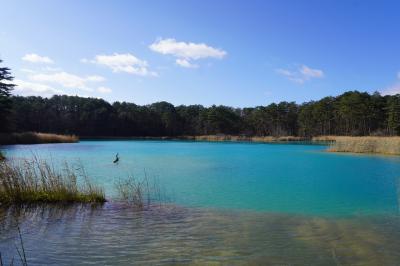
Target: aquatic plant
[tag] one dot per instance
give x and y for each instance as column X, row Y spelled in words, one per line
column 141, row 193
column 36, row 138
column 37, row 181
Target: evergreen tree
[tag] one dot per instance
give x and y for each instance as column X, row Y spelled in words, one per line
column 393, row 112
column 5, row 101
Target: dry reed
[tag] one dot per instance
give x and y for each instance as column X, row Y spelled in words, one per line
column 35, row 138
column 381, row 145
column 265, row 139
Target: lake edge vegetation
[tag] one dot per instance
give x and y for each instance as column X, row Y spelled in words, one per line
column 369, row 144
column 30, row 181
column 35, row 138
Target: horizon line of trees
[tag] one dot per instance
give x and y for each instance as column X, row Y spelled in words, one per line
column 352, row 113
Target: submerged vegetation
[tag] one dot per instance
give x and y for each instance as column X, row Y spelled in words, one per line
column 35, row 138
column 382, row 145
column 36, row 181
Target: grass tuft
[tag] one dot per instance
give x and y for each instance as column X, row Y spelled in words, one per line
column 36, row 181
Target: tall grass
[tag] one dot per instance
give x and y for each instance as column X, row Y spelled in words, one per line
column 139, row 193
column 382, row 145
column 36, row 138
column 37, row 181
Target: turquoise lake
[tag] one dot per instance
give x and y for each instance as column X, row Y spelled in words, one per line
column 283, row 178
column 228, row 204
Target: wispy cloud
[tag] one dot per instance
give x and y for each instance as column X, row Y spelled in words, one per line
column 186, row 52
column 185, row 63
column 35, row 58
column 66, row 80
column 49, row 80
column 33, row 88
column 393, row 89
column 300, row 74
column 127, row 63
column 104, row 90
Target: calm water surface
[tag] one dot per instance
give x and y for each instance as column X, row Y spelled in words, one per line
column 230, row 203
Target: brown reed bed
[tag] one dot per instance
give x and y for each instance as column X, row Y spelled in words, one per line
column 327, row 138
column 216, row 138
column 264, row 139
column 35, row 138
column 369, row 144
column 29, row 181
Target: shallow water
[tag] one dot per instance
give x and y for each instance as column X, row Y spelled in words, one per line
column 289, row 178
column 231, row 204
column 117, row 235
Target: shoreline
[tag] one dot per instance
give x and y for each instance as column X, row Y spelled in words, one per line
column 387, row 145
column 211, row 138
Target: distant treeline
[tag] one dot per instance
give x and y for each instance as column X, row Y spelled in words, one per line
column 352, row 113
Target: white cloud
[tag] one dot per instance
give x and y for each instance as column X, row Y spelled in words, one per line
column 185, row 52
column 104, row 90
column 52, row 69
column 67, row 80
column 185, row 63
column 311, row 73
column 27, row 70
column 35, row 58
column 95, row 78
column 127, row 63
column 85, row 60
column 394, row 89
column 33, row 88
column 301, row 74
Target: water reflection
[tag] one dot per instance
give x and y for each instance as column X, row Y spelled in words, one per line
column 116, row 234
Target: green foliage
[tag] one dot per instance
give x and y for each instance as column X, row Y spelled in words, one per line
column 352, row 113
column 393, row 110
column 5, row 102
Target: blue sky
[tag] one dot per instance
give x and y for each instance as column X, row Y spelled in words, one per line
column 237, row 53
